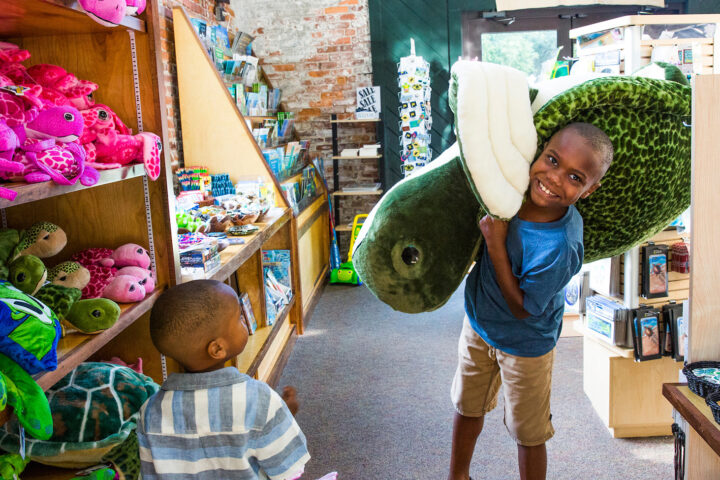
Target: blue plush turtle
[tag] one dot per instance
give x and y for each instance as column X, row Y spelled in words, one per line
column 29, row 332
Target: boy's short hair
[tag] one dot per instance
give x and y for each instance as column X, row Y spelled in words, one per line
column 188, row 313
column 598, row 141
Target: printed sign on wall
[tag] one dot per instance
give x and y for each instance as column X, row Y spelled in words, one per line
column 368, row 102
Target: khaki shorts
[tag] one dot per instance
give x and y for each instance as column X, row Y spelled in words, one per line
column 526, row 380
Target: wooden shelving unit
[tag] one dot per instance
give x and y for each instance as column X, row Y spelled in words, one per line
column 697, row 413
column 358, row 157
column 216, row 135
column 355, row 120
column 116, row 210
column 369, row 191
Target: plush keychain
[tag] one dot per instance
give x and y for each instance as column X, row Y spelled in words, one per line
column 110, row 144
column 415, row 265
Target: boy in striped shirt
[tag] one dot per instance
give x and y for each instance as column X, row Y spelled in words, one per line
column 213, row 422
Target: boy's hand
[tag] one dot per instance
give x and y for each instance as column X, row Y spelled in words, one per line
column 494, row 231
column 290, row 396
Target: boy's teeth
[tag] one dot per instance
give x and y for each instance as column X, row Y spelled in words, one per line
column 542, row 187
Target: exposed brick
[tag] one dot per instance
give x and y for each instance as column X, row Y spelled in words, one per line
column 347, row 16
column 331, row 10
column 283, row 67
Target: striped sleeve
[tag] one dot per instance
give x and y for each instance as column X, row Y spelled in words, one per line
column 280, row 447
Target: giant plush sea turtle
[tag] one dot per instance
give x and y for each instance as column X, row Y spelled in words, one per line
column 94, row 412
column 421, row 238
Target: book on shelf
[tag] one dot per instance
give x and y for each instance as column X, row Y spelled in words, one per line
column 349, row 152
column 240, row 43
column 248, row 314
column 278, row 282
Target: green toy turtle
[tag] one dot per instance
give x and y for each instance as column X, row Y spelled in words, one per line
column 43, row 239
column 422, row 237
column 95, row 409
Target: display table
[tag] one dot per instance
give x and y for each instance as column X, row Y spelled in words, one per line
column 627, row 395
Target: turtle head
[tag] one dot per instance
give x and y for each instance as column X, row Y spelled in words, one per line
column 27, row 273
column 69, row 274
column 43, row 240
column 93, row 315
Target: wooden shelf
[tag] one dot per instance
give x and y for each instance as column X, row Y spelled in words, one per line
column 343, row 228
column 358, row 192
column 75, row 348
column 235, row 255
column 31, row 192
column 356, row 157
column 26, row 18
column 694, row 409
column 354, row 120
column 260, row 117
column 259, row 343
column 614, row 349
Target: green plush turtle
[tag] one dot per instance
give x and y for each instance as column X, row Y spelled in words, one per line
column 95, row 409
column 69, row 274
column 92, row 315
column 421, row 238
column 43, row 239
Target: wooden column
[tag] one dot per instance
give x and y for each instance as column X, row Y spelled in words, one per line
column 704, row 335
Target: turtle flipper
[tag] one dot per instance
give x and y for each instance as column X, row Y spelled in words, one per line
column 420, row 239
column 27, row 399
column 12, row 465
column 125, row 458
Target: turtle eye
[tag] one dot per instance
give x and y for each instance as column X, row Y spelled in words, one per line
column 63, row 278
column 103, row 115
column 132, row 288
column 140, row 251
column 46, row 237
column 20, row 277
column 69, row 117
column 143, row 281
column 96, row 313
column 410, row 255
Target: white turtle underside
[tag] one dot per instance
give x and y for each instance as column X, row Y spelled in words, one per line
column 496, row 133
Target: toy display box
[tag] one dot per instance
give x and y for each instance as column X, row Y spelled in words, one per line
column 608, row 321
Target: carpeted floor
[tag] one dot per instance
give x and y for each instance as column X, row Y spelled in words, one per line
column 374, row 398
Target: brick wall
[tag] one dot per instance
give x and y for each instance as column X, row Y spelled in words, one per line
column 318, row 53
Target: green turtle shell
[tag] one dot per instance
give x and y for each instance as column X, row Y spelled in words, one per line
column 648, row 184
column 94, row 408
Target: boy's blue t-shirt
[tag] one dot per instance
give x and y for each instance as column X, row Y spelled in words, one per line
column 544, row 257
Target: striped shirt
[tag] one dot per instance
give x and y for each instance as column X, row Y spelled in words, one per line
column 219, row 425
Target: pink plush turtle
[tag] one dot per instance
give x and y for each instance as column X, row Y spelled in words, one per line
column 111, row 12
column 121, row 275
column 18, row 104
column 48, row 150
column 109, row 143
column 61, row 87
column 11, row 53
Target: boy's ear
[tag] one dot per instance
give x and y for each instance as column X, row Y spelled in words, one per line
column 590, row 190
column 217, row 349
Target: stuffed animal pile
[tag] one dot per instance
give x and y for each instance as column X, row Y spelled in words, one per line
column 51, row 128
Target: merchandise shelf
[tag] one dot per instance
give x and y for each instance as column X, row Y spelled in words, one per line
column 694, row 409
column 340, row 157
column 30, row 192
column 235, row 255
column 22, row 18
column 343, row 228
column 358, row 192
column 259, row 343
column 355, row 120
column 75, row 348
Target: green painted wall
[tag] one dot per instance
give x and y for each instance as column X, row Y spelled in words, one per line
column 436, row 26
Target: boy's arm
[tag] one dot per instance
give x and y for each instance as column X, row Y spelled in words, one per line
column 495, row 233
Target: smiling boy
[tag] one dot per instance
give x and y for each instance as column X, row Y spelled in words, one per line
column 514, row 302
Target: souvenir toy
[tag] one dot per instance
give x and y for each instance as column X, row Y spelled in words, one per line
column 28, row 273
column 69, row 274
column 18, row 104
column 242, row 230
column 61, row 87
column 11, row 53
column 95, row 409
column 29, row 332
column 43, row 239
column 50, row 152
column 110, row 144
column 111, row 12
column 109, row 279
column 415, row 265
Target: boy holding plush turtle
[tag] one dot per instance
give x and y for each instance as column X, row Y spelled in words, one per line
column 514, row 302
